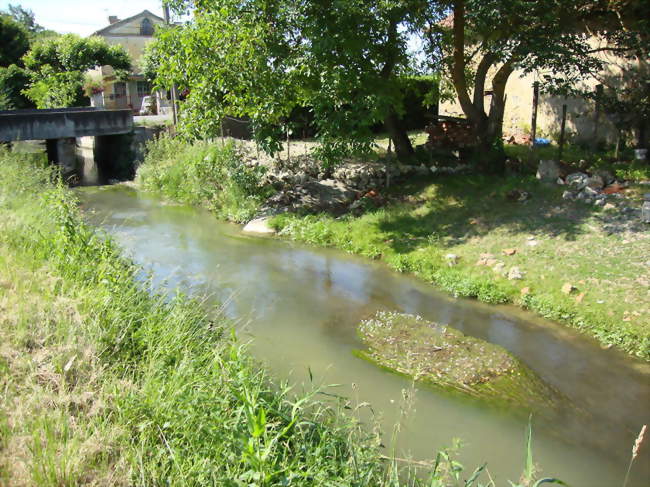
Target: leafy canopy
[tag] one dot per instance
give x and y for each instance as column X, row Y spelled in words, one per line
column 14, row 41
column 262, row 59
column 57, row 66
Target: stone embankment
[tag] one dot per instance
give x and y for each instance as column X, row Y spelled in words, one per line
column 304, row 186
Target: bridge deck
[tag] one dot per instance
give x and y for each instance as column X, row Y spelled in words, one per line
column 63, row 123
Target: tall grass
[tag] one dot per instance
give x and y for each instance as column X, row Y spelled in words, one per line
column 203, row 174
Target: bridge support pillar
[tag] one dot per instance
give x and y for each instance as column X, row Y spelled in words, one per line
column 63, row 152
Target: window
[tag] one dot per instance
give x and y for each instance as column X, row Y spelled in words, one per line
column 146, row 27
column 119, row 89
column 144, row 89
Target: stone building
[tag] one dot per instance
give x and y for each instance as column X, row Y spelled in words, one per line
column 133, row 33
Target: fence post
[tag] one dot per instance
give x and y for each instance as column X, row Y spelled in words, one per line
column 562, row 128
column 533, row 122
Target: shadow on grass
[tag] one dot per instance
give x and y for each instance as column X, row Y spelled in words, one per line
column 450, row 210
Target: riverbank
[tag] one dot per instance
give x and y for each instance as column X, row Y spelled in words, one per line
column 105, row 383
column 498, row 239
column 566, row 261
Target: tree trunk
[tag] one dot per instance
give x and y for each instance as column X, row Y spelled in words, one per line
column 397, row 133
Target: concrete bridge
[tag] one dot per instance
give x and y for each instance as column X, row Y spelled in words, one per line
column 61, row 127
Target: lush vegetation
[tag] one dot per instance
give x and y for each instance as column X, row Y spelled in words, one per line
column 204, row 174
column 57, row 68
column 18, row 32
column 345, row 60
column 555, row 242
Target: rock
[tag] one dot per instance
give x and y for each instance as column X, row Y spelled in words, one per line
column 645, row 212
column 509, row 251
column 609, row 206
column 515, row 274
column 615, row 188
column 569, row 195
column 260, row 226
column 577, row 180
column 524, row 291
column 580, row 297
column 568, row 288
column 518, row 195
column 595, row 182
column 444, row 357
column 607, row 177
column 599, row 202
column 589, row 192
column 548, row 170
column 452, row 259
column 498, row 267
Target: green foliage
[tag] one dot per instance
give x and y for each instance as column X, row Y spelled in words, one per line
column 73, row 53
column 13, row 39
column 262, row 60
column 24, row 17
column 56, row 90
column 13, row 80
column 204, row 174
column 420, row 100
column 57, row 66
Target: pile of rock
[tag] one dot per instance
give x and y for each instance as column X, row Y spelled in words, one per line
column 590, row 188
column 594, row 188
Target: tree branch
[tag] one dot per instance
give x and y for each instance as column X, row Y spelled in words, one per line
column 479, row 79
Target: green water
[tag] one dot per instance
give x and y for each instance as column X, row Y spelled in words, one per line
column 299, row 306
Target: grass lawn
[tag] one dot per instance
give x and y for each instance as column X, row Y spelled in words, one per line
column 603, row 255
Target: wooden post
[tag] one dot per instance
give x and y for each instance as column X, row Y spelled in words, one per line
column 288, row 145
column 562, row 128
column 533, row 122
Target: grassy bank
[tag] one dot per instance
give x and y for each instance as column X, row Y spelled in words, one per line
column 106, row 384
column 203, row 174
column 452, row 231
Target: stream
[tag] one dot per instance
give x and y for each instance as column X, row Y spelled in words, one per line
column 299, row 306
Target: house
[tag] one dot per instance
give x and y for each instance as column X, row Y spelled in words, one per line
column 133, row 33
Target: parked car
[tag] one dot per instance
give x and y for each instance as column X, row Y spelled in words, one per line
column 148, row 106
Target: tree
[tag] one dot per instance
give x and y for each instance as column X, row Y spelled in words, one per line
column 14, row 41
column 503, row 36
column 24, row 17
column 57, row 66
column 261, row 59
column 13, row 80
